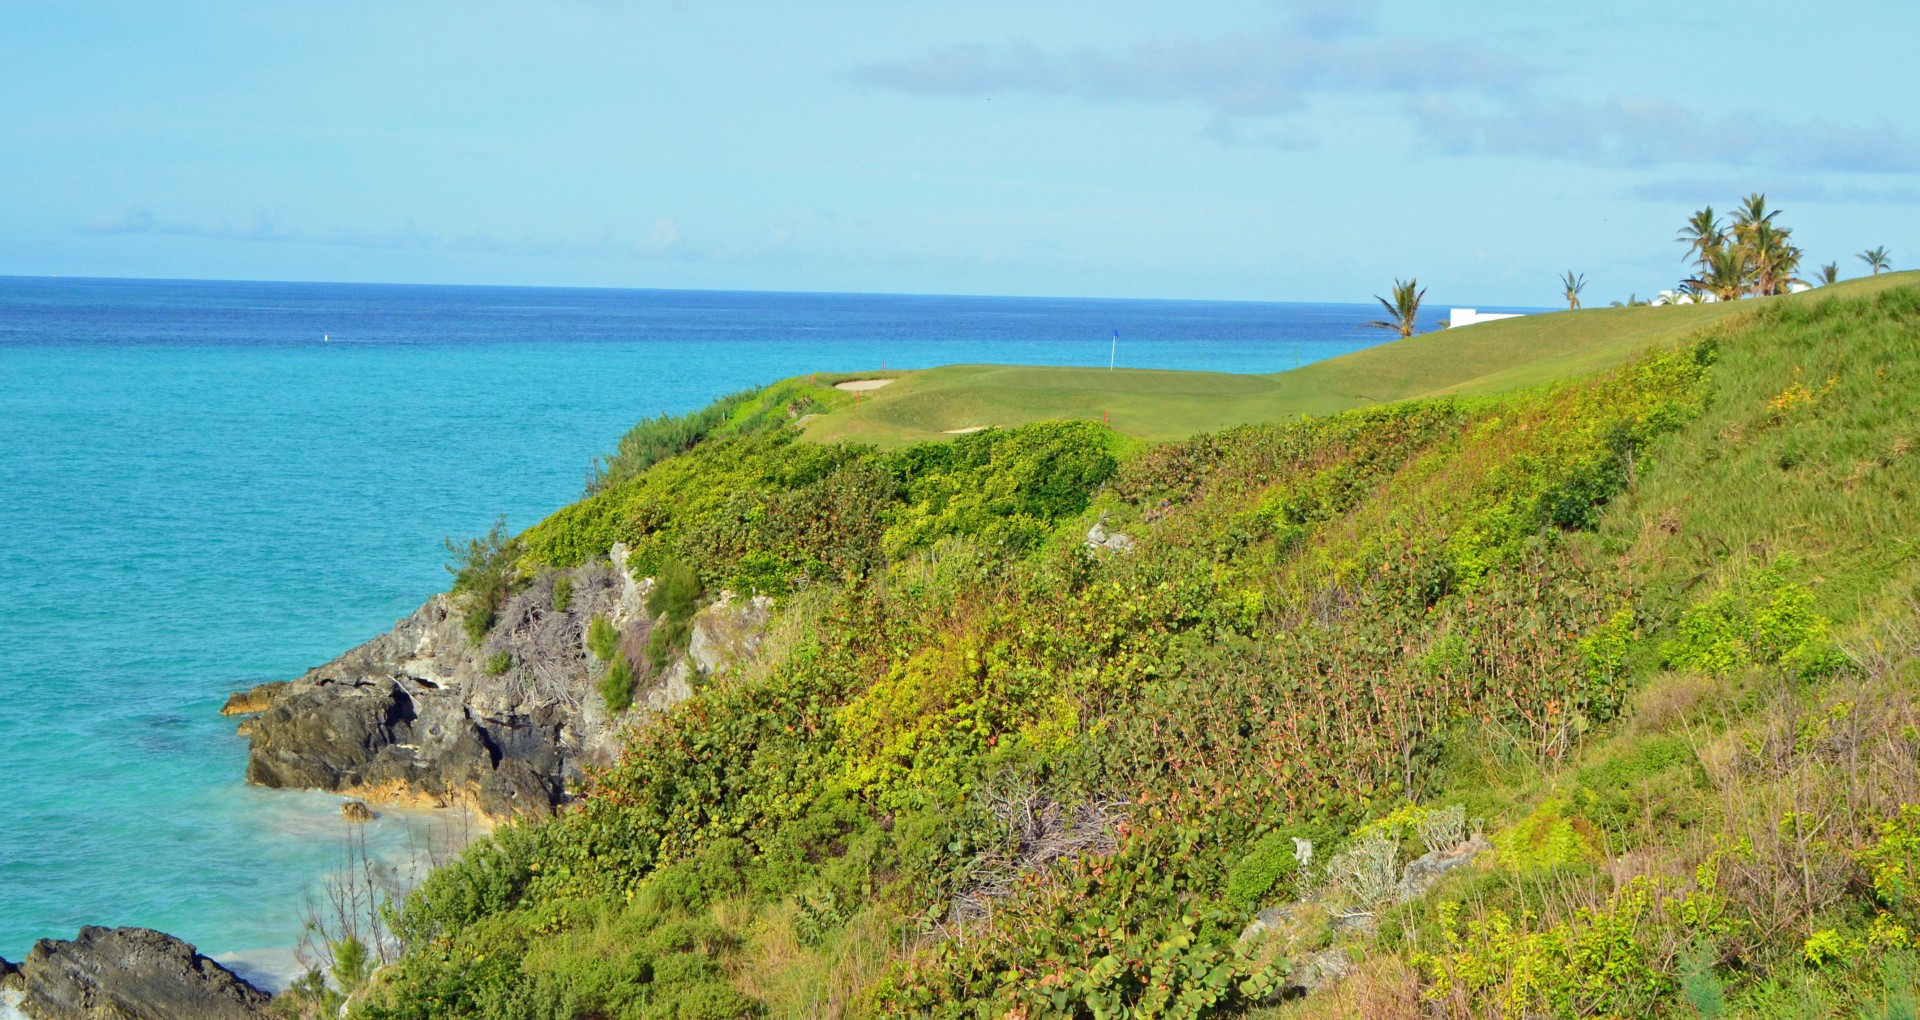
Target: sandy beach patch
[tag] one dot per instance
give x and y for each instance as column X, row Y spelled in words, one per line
column 860, row 385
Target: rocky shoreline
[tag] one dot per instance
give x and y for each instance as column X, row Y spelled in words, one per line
column 126, row 974
column 418, row 716
column 507, row 726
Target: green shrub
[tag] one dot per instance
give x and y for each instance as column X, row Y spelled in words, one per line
column 1761, row 619
column 562, row 592
column 489, row 877
column 1004, row 487
column 1551, row 836
column 484, row 570
column 353, row 964
column 1652, row 781
column 655, row 439
column 674, row 598
column 1597, row 963
column 1267, row 871
column 616, row 687
column 498, row 663
column 667, row 641
column 1892, row 863
column 1700, row 987
column 602, row 639
column 676, row 591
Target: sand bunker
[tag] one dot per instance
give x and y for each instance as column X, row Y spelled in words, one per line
column 857, row 385
column 964, row 431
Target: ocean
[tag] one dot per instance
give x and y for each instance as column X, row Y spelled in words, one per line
column 207, row 485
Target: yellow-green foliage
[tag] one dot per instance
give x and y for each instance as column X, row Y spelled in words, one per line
column 1597, row 963
column 749, row 411
column 1762, row 620
column 932, row 710
column 1003, row 488
column 1893, row 865
column 1046, row 782
column 1551, row 836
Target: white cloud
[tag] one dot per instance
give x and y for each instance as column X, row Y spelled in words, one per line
column 1247, row 74
column 1656, row 132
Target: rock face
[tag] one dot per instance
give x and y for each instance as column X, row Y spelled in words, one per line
column 1425, row 872
column 128, row 974
column 1099, row 539
column 421, row 715
column 1314, row 933
column 728, row 632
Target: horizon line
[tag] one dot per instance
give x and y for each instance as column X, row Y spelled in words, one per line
column 717, row 290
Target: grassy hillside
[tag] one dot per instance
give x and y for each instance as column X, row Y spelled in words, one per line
column 1490, row 357
column 1654, row 632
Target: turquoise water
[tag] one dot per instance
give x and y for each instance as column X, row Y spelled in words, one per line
column 197, row 494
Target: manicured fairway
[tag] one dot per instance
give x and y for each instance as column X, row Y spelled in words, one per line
column 1157, row 405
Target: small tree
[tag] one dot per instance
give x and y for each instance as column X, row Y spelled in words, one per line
column 1877, row 259
column 616, row 686
column 1829, row 273
column 484, row 570
column 1573, row 286
column 1404, row 308
column 675, row 596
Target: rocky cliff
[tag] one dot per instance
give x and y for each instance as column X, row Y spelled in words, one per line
column 127, row 974
column 422, row 715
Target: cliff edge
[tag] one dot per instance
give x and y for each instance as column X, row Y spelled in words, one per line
column 507, row 725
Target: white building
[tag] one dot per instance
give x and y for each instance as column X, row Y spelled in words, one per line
column 1468, row 316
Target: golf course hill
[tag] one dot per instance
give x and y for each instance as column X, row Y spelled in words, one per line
column 1560, row 666
column 1490, row 357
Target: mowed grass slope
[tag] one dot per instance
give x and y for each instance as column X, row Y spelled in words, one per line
column 1159, row 405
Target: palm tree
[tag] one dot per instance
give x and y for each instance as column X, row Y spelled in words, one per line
column 1404, row 308
column 1574, row 285
column 1702, row 234
column 1877, row 259
column 1829, row 273
column 1773, row 255
column 1751, row 214
column 1729, row 271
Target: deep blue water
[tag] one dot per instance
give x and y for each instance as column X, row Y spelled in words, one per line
column 198, row 493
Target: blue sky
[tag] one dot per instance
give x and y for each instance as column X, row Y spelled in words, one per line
column 1308, row 150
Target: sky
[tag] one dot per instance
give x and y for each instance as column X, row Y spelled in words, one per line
column 1289, row 150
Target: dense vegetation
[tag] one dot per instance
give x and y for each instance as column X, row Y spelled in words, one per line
column 1655, row 631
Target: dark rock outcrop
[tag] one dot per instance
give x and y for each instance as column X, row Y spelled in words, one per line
column 421, row 715
column 129, row 974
